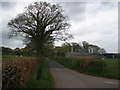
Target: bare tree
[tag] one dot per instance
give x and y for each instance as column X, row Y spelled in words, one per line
column 39, row 24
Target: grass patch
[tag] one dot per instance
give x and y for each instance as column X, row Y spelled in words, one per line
column 110, row 71
column 42, row 78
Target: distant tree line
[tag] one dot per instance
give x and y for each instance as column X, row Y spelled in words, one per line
column 6, row 50
column 51, row 50
column 17, row 51
column 28, row 50
column 77, row 47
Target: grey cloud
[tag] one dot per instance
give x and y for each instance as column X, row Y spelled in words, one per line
column 104, row 6
column 75, row 7
column 8, row 5
column 10, row 42
column 9, row 12
column 74, row 10
column 109, row 4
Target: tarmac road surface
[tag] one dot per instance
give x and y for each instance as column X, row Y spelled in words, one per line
column 67, row 78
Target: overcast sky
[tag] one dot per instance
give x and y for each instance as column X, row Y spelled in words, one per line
column 94, row 22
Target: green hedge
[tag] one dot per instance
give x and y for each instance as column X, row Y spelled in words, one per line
column 97, row 67
column 94, row 66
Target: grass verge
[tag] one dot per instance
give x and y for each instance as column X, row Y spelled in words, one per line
column 41, row 78
column 110, row 71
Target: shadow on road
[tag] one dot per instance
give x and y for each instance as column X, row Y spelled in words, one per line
column 53, row 64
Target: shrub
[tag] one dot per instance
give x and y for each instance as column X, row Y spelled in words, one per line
column 94, row 66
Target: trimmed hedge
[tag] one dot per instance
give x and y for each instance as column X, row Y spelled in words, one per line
column 97, row 67
column 94, row 66
column 16, row 71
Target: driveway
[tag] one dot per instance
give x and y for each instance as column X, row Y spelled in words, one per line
column 67, row 78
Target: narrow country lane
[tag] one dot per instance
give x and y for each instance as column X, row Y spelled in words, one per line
column 67, row 78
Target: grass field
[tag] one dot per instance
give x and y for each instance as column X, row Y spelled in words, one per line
column 110, row 71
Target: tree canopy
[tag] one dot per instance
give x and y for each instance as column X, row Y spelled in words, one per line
column 40, row 23
column 77, row 47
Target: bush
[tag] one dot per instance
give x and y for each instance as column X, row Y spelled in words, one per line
column 94, row 66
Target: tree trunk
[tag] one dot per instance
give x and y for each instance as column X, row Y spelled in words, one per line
column 39, row 48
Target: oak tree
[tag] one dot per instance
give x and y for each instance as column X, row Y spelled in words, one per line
column 40, row 23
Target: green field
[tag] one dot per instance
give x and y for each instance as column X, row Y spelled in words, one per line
column 110, row 71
